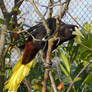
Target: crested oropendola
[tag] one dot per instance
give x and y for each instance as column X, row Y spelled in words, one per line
column 31, row 48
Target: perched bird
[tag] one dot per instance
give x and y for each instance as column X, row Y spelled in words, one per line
column 31, row 48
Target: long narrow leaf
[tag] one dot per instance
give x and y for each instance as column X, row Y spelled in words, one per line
column 64, row 70
column 65, row 61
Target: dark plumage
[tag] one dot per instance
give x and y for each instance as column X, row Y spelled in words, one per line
column 39, row 32
column 31, row 48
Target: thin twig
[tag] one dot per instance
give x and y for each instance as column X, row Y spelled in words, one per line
column 31, row 35
column 28, row 85
column 50, row 9
column 52, row 82
column 50, row 6
column 41, row 16
column 82, row 70
column 25, row 31
column 62, row 13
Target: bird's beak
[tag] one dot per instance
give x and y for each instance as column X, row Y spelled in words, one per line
column 77, row 32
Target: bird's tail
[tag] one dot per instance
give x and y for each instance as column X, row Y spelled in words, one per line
column 19, row 72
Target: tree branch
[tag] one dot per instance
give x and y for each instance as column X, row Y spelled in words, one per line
column 50, row 9
column 16, row 7
column 28, row 85
column 2, row 38
column 82, row 70
column 52, row 82
column 62, row 12
column 3, row 8
column 48, row 55
column 2, row 59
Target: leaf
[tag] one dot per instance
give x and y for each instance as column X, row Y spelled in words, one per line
column 10, row 26
column 8, row 55
column 86, row 49
column 77, row 79
column 16, row 9
column 74, row 54
column 77, row 70
column 64, row 70
column 1, row 21
column 85, row 54
column 18, row 12
column 65, row 60
column 88, row 79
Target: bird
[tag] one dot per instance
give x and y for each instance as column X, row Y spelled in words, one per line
column 33, row 46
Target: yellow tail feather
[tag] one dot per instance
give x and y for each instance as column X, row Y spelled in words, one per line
column 20, row 71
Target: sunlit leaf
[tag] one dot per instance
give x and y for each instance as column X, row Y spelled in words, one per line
column 65, row 61
column 86, row 49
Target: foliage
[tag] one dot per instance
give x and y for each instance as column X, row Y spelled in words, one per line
column 73, row 55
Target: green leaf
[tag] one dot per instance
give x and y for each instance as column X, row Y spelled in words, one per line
column 77, row 79
column 64, row 70
column 77, row 70
column 8, row 55
column 18, row 12
column 1, row 21
column 88, row 27
column 65, row 60
column 86, row 49
column 88, row 79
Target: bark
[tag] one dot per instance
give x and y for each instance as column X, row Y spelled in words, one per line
column 2, row 61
